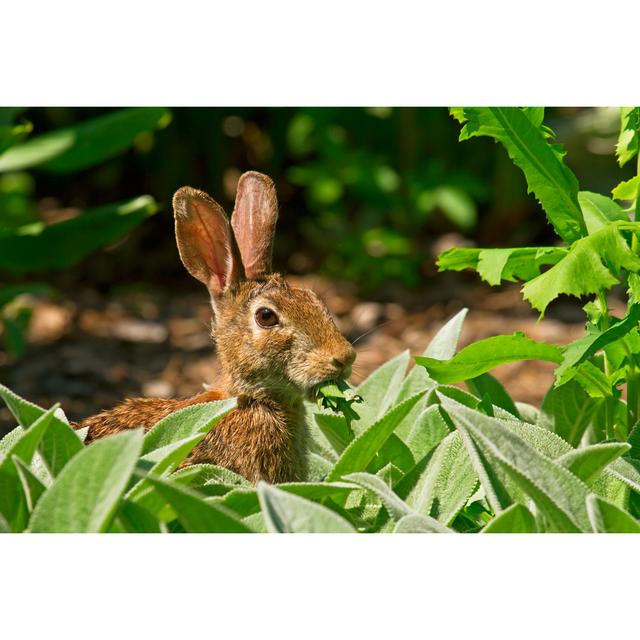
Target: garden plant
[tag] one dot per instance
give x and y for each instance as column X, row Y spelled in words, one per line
column 409, row 450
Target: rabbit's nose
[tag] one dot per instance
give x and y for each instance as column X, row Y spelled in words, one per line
column 344, row 361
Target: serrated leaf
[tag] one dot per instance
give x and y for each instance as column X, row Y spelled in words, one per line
column 85, row 144
column 550, row 180
column 515, row 519
column 484, row 355
column 187, row 422
column 85, row 495
column 606, row 517
column 628, row 140
column 496, row 265
column 360, row 452
column 287, row 513
column 586, row 269
column 415, row 523
column 627, row 190
column 587, row 463
column 555, row 491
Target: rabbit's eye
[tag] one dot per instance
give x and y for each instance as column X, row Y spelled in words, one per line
column 266, row 317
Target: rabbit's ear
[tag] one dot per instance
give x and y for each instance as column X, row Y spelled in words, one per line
column 254, row 222
column 204, row 240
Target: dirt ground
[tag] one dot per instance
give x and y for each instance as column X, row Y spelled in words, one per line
column 89, row 351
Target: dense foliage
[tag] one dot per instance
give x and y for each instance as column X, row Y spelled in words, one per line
column 422, row 456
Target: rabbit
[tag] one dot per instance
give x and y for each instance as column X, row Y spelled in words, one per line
column 275, row 343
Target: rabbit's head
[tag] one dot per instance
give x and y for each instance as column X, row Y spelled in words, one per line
column 272, row 339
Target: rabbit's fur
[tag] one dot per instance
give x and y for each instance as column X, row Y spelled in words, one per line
column 269, row 369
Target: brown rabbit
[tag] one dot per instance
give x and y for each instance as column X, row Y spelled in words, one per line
column 275, row 342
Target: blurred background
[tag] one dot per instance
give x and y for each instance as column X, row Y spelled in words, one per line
column 95, row 305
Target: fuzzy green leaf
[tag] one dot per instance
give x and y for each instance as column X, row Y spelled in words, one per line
column 515, row 519
column 556, row 492
column 608, row 518
column 287, row 513
column 85, row 496
column 187, row 422
column 415, row 523
column 587, row 463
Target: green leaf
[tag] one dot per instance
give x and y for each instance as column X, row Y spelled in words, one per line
column 59, row 443
column 587, row 463
column 515, row 519
column 415, row 523
column 379, row 391
column 550, row 180
column 427, row 432
column 608, row 518
column 496, row 265
column 579, row 350
column 627, row 146
column 363, row 448
column 63, row 244
column 13, row 501
column 85, row 496
column 187, row 422
column 568, row 410
column 136, row 519
column 446, row 483
column 287, row 513
column 557, row 493
column 86, row 144
column 32, row 487
column 194, row 513
column 599, row 211
column 627, row 190
column 395, row 506
column 486, row 385
column 586, row 269
column 445, row 343
column 335, row 429
column 487, row 354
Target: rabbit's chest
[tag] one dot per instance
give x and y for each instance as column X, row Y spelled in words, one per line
column 259, row 444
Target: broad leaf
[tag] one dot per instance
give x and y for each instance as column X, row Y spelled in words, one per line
column 63, row 244
column 86, row 144
column 395, row 506
column 599, row 211
column 484, row 355
column 287, row 513
column 628, row 140
column 85, row 496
